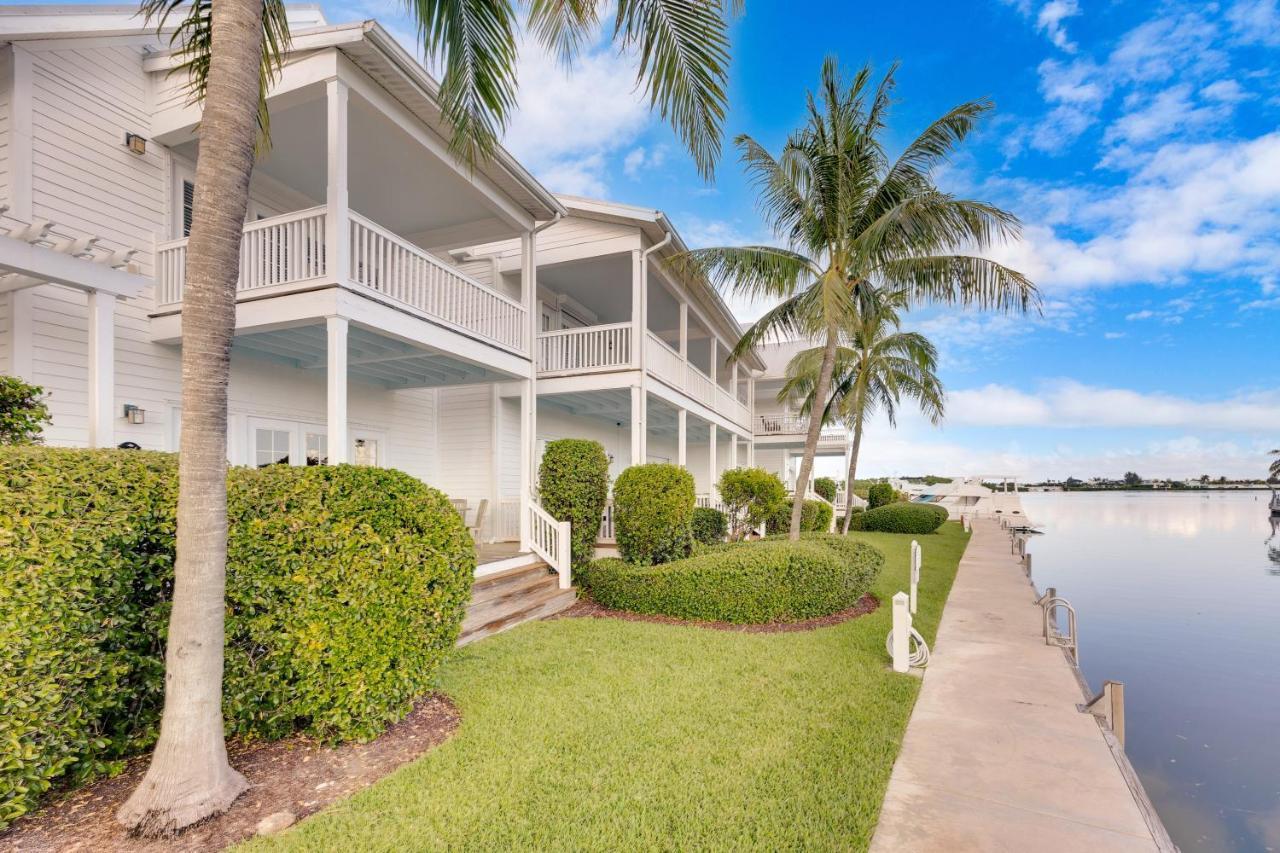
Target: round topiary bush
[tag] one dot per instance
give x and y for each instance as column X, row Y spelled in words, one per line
column 826, row 488
column 653, row 513
column 573, row 485
column 816, row 517
column 751, row 496
column 346, row 587
column 902, row 518
column 743, row 583
column 710, row 526
column 879, row 494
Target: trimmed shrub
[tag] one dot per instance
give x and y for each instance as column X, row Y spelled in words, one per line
column 826, row 488
column 816, row 517
column 880, row 494
column 573, row 485
column 710, row 526
column 653, row 507
column 743, row 583
column 751, row 495
column 855, row 523
column 902, row 518
column 346, row 587
column 23, row 413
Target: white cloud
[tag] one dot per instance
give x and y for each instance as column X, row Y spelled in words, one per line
column 640, row 158
column 1145, row 314
column 1050, row 19
column 1071, row 404
column 1207, row 207
column 569, row 122
column 1256, row 21
column 1228, row 91
column 1113, row 336
column 1171, row 111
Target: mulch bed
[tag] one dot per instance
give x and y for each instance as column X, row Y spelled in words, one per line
column 587, row 608
column 295, row 775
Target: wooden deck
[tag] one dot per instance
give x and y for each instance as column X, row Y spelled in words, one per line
column 492, row 552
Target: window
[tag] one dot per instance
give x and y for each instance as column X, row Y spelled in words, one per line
column 188, row 206
column 366, row 452
column 271, row 447
column 317, row 448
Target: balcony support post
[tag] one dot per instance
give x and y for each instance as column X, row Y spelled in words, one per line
column 336, row 380
column 682, row 435
column 528, row 433
column 733, row 450
column 684, row 331
column 711, row 456
column 639, row 429
column 529, row 391
column 337, row 221
column 102, row 370
column 637, row 310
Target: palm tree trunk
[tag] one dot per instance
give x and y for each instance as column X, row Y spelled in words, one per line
column 189, row 778
column 853, row 468
column 820, row 392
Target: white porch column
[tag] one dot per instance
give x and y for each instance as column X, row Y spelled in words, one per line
column 639, row 341
column 711, row 460
column 733, row 451
column 528, row 421
column 19, row 330
column 337, row 221
column 639, row 437
column 684, row 330
column 102, row 369
column 751, row 453
column 682, row 432
column 715, row 359
column 336, row 379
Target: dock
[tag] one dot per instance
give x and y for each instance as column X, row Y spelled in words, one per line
column 997, row 754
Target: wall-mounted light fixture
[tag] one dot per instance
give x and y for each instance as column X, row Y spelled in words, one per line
column 134, row 415
column 135, row 143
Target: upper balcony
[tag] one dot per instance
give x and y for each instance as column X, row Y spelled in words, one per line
column 354, row 211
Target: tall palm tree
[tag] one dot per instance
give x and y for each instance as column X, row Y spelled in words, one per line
column 855, row 222
column 876, row 367
column 231, row 52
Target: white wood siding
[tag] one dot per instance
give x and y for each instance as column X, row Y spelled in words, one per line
column 6, row 118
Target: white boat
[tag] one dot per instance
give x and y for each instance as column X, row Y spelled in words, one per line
column 968, row 497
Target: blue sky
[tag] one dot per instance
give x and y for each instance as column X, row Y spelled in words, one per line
column 1139, row 144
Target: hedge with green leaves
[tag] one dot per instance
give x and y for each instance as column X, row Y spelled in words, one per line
column 902, row 518
column 826, row 488
column 23, row 413
column 345, row 589
column 815, row 516
column 573, row 485
column 710, row 526
column 751, row 494
column 653, row 513
column 879, row 494
column 743, row 583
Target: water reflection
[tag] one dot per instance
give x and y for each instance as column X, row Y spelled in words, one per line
column 1178, row 595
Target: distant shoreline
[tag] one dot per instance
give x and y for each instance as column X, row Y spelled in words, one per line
column 1204, row 489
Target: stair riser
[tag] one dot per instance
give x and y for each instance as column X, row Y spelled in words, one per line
column 479, row 614
column 510, row 587
column 488, row 629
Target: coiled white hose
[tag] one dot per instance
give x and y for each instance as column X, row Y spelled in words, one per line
column 919, row 655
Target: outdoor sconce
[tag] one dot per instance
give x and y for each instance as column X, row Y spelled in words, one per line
column 135, row 143
column 134, row 415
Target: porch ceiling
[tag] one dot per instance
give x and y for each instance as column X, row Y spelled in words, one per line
column 371, row 357
column 613, row 406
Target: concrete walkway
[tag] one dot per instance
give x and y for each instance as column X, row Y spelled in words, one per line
column 996, row 756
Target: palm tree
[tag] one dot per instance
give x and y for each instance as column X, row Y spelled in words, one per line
column 874, row 369
column 854, row 223
column 231, row 52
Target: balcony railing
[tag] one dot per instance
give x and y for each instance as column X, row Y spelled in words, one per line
column 291, row 249
column 788, row 424
column 585, row 350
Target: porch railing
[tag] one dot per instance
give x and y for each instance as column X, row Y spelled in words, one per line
column 291, row 249
column 663, row 361
column 280, row 250
column 788, row 424
column 550, row 541
column 586, row 349
column 395, row 268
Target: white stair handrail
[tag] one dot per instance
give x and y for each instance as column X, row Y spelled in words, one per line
column 550, row 540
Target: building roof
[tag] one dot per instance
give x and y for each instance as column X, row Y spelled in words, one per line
column 656, row 226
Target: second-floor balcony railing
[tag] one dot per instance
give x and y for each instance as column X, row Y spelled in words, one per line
column 586, row 349
column 788, row 424
column 281, row 252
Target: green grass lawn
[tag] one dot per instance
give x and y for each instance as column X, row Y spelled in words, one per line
column 582, row 734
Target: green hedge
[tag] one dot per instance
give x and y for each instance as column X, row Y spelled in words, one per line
column 710, row 526
column 826, row 488
column 23, row 413
column 879, row 494
column 901, row 518
column 345, row 588
column 653, row 513
column 743, row 583
column 573, row 485
column 751, row 494
column 815, row 517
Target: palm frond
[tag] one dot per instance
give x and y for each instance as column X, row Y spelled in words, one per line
column 972, row 281
column 683, row 47
column 192, row 39
column 476, row 40
column 756, row 272
column 563, row 25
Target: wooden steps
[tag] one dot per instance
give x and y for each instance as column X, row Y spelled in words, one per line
column 506, row 599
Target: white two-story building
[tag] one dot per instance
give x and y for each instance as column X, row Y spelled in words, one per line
column 394, row 307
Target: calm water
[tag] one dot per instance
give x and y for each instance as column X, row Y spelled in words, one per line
column 1178, row 596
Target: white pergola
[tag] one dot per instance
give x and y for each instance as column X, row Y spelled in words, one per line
column 35, row 253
